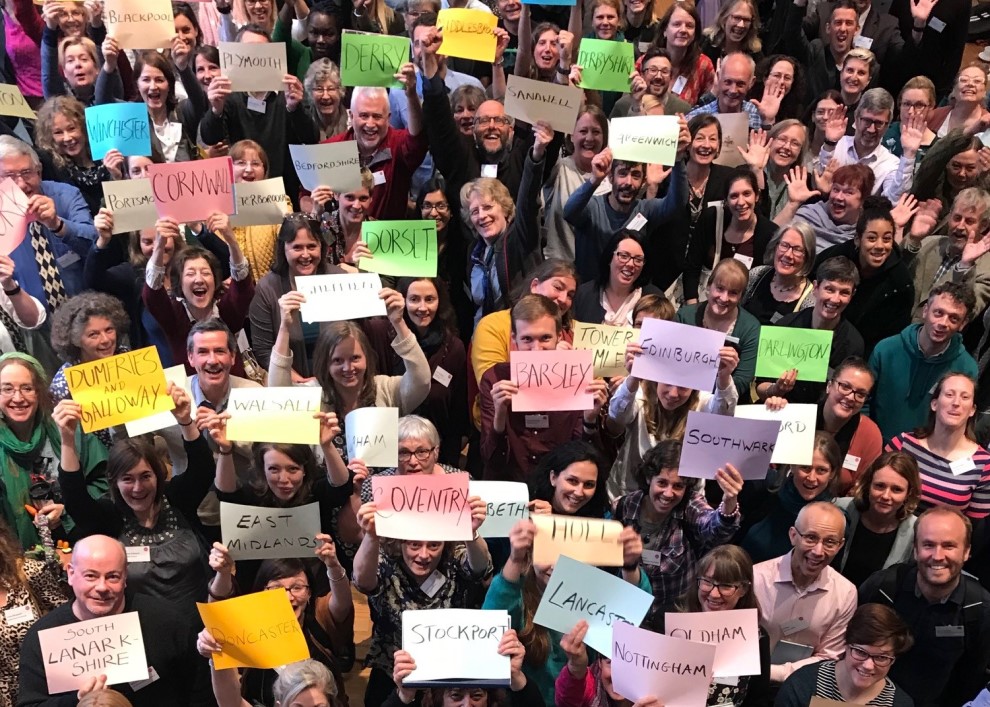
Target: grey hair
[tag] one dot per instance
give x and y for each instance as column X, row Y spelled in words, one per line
column 876, row 100
column 808, row 239
column 416, row 427
column 319, row 71
column 296, row 678
column 10, row 146
column 787, row 125
column 974, row 198
column 370, row 92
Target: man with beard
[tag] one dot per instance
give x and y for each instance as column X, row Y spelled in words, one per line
column 735, row 77
column 956, row 257
column 805, row 604
column 598, row 218
column 834, row 220
column 653, row 79
column 907, row 366
column 820, row 57
column 947, row 611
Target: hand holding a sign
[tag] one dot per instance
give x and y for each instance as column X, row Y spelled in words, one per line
column 521, row 539
column 601, row 164
column 632, row 551
column 599, row 388
column 511, row 646
column 329, row 428
column 402, row 667
column 502, row 40
column 542, row 136
column 114, row 162
column 395, row 306
column 728, row 359
column 7, row 272
column 103, row 222
column 293, row 92
column 217, row 94
column 572, row 643
column 288, row 306
column 366, row 518
column 181, row 51
column 360, row 471
column 111, row 51
column 93, row 684
column 429, row 64
column 322, row 195
column 479, row 511
column 784, row 384
column 42, row 209
column 222, row 584
column 406, row 75
column 502, row 392
column 731, row 482
column 206, row 645
column 683, row 137
column 183, row 405
column 66, row 416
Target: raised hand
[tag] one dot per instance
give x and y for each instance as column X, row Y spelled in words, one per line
column 769, row 104
column 103, row 222
column 572, row 643
column 66, row 416
column 836, row 125
column 975, row 249
column 797, row 186
column 912, row 133
column 757, row 153
column 543, row 135
column 217, row 94
column 600, row 165
column 906, row 207
column 289, row 304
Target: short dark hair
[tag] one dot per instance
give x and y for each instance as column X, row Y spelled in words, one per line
column 608, row 252
column 426, row 19
column 561, row 457
column 875, row 208
column 209, row 325
column 842, row 5
column 186, row 10
column 743, row 174
column 290, row 228
column 124, row 456
column 178, row 264
column 963, row 294
column 873, row 624
column 838, row 269
column 253, row 28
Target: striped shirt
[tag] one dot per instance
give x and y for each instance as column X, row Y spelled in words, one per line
column 968, row 490
column 827, row 687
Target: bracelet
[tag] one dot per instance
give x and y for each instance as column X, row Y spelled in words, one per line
column 209, row 590
column 916, row 28
column 562, row 71
column 721, row 510
column 14, row 292
column 830, row 143
column 186, row 424
column 227, row 453
column 343, row 575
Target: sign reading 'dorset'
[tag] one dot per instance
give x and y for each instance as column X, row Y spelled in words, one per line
column 431, row 507
column 678, row 354
column 258, row 533
column 712, row 441
column 400, row 248
column 456, row 647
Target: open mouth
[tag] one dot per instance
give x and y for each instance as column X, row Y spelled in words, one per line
column 704, row 152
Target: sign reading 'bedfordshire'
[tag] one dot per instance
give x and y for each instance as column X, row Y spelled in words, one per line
column 783, row 348
column 330, row 164
column 646, row 138
column 400, row 248
column 371, row 59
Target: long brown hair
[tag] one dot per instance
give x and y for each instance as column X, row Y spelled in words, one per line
column 72, row 110
column 662, row 423
column 11, row 560
column 724, row 563
column 929, row 427
column 905, row 466
column 535, row 639
column 331, row 337
column 686, row 66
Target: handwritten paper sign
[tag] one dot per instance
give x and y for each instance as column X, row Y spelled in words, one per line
column 507, row 503
column 257, row 630
column 796, row 440
column 331, row 164
column 13, row 216
column 140, row 24
column 371, row 59
column 119, row 389
column 583, row 539
column 678, row 354
column 645, row 138
column 260, row 203
column 675, row 671
column 607, row 345
column 111, row 646
column 191, row 191
column 469, row 34
column 258, row 533
column 734, row 634
column 274, row 415
column 373, row 436
column 783, row 348
column 712, row 441
column 551, row 380
column 119, row 126
column 456, row 647
column 132, row 203
column 605, row 64
column 160, row 420
column 431, row 507
column 401, row 248
column 254, row 66
column 532, row 101
column 578, row 591
column 735, row 134
column 334, row 298
column 12, row 102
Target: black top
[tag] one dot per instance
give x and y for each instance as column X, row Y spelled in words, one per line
column 867, row 551
column 587, row 305
column 764, row 306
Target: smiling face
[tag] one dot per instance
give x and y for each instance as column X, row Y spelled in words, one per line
column 714, row 598
column 841, row 30
column 821, row 525
column 298, row 589
column 487, row 216
column 546, row 53
column 72, row 20
column 283, row 475
column 847, row 393
column 862, row 669
column 588, row 138
column 348, row 364
column 738, row 22
column 785, row 148
column 942, row 318
column 322, row 34
column 875, row 245
column 68, row 136
column 666, row 491
column 326, row 97
column 854, row 79
column 823, row 111
column 672, row 397
column 310, row 697
column 509, row 9
column 79, row 68
column 790, row 255
column 870, row 127
column 736, row 79
column 369, row 114
column 98, row 576
column 627, row 180
column 724, row 295
column 18, row 393
column 811, row 481
column 302, row 253
column 249, row 167
column 831, row 299
column 741, row 200
column 435, row 207
column 605, row 21
column 955, row 403
column 627, row 264
column 656, row 72
column 98, row 340
column 259, row 11
column 421, row 558
column 354, row 206
column 422, row 303
column 559, row 288
column 198, row 284
column 138, row 488
column 680, row 30
column 965, row 223
column 844, row 203
column 573, row 487
column 538, row 335
column 153, row 87
column 492, row 128
column 887, row 494
column 206, row 71
column 963, row 169
column 705, row 145
column 186, row 31
column 971, row 85
column 915, row 101
column 783, row 73
column 464, row 117
column 212, row 358
column 940, row 549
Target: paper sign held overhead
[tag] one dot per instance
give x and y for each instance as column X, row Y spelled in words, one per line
column 583, row 539
column 256, row 630
column 332, row 164
column 12, row 102
column 119, row 389
column 507, row 505
column 401, row 248
column 254, row 66
column 124, row 127
column 468, row 34
column 13, row 216
column 678, row 354
column 607, row 345
column 371, row 59
column 191, row 191
column 578, row 591
column 422, row 507
column 606, row 64
column 335, row 298
column 455, row 647
column 259, row 533
column 783, row 348
column 734, row 634
column 551, row 380
column 283, row 415
column 373, row 436
column 712, row 441
column 132, row 203
column 261, row 203
column 532, row 101
column 160, row 420
column 646, row 138
column 796, row 440
column 76, row 653
column 140, row 24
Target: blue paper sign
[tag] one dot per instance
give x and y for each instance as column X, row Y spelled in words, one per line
column 121, row 126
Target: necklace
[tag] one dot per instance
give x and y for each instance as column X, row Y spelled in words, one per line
column 789, row 288
column 699, row 191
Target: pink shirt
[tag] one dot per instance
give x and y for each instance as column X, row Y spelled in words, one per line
column 23, row 38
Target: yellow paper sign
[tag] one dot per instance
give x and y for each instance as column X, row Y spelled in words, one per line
column 588, row 540
column 12, row 102
column 119, row 389
column 468, row 34
column 274, row 415
column 256, row 631
column 608, row 343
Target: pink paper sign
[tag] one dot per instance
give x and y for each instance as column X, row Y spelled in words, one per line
column 552, row 380
column 13, row 216
column 191, row 191
column 678, row 354
column 734, row 634
column 429, row 507
column 675, row 671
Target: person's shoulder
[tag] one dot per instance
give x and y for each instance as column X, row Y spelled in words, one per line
column 59, row 616
column 59, row 189
column 238, row 382
column 500, row 371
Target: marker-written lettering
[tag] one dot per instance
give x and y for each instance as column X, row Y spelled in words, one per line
column 627, row 655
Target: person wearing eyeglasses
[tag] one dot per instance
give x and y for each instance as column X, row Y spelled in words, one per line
column 875, row 637
column 917, row 96
column 652, row 79
column 805, row 604
column 622, row 280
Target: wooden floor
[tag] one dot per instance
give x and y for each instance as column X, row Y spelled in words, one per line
column 357, row 680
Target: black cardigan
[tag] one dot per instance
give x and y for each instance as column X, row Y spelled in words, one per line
column 701, row 249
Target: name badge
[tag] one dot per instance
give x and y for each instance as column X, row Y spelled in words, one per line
column 936, row 24
column 744, row 259
column 433, row 583
column 793, row 626
column 651, row 558
column 732, row 681
column 378, row 178
column 679, row 84
column 255, row 104
column 442, row 377
column 636, row 223
column 19, row 615
column 851, row 462
column 950, row 632
column 643, row 47
column 861, row 42
column 961, row 466
column 537, row 422
column 152, row 677
column 67, row 259
column 489, row 170
column 138, row 553
column 776, row 317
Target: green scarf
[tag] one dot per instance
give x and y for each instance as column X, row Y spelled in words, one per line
column 15, row 471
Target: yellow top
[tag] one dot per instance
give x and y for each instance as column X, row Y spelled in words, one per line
column 258, row 244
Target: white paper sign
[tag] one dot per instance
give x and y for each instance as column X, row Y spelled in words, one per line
column 712, row 441
column 132, row 203
column 675, row 671
column 796, row 441
column 456, row 646
column 734, row 634
column 329, row 164
column 334, row 298
column 735, row 134
column 678, row 354
column 254, row 66
column 373, row 436
column 644, row 138
column 532, row 101
column 261, row 203
column 260, row 533
column 111, row 646
column 507, row 505
column 160, row 420
column 578, row 591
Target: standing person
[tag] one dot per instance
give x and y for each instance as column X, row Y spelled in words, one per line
column 693, row 73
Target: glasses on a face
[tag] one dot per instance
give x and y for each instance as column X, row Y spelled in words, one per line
column 740, row 20
column 624, row 257
column 244, row 164
column 491, row 120
column 788, row 248
column 26, row 391
column 421, row 454
column 873, row 123
column 651, row 71
column 859, row 396
column 726, row 589
column 23, row 175
column 914, row 105
column 320, row 90
column 778, row 76
column 810, row 540
column 881, row 660
column 439, row 208
column 295, row 590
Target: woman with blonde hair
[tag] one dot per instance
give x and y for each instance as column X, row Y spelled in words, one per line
column 78, row 61
column 377, row 17
column 235, row 14
column 967, row 110
column 771, row 156
column 736, row 29
column 916, row 96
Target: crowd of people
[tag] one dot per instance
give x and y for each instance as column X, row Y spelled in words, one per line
column 859, row 205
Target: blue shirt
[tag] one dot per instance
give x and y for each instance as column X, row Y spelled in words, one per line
column 711, row 108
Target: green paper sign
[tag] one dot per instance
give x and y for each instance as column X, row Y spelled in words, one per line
column 401, row 248
column 372, row 59
column 783, row 348
column 606, row 65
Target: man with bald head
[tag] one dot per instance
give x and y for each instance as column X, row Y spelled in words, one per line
column 98, row 577
column 805, row 604
column 736, row 75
